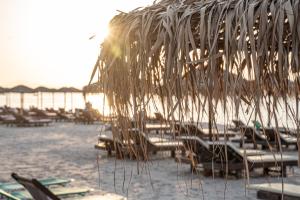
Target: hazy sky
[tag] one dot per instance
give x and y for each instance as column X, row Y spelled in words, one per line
column 46, row 42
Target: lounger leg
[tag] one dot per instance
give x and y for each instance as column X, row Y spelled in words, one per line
column 266, row 171
column 283, row 171
column 267, row 195
column 183, row 152
column 173, row 154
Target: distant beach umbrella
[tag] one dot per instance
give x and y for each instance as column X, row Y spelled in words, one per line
column 53, row 100
column 2, row 90
column 43, row 89
column 21, row 89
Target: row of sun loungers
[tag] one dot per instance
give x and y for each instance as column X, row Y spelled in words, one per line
column 45, row 189
column 139, row 145
column 204, row 154
column 211, row 156
column 37, row 117
column 276, row 191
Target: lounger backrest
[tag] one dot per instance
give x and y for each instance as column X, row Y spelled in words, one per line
column 180, row 128
column 35, row 188
column 197, row 146
column 250, row 131
column 193, row 129
column 271, row 134
column 238, row 123
column 219, row 149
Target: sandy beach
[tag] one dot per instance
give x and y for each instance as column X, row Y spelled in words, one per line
column 66, row 150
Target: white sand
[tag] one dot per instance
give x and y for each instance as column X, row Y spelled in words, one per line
column 67, row 150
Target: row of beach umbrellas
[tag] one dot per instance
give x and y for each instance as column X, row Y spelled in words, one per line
column 22, row 89
column 26, row 89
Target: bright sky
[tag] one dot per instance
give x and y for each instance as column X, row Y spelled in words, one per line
column 46, row 42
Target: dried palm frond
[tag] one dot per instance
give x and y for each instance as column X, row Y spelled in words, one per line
column 191, row 52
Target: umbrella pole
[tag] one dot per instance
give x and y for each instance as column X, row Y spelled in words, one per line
column 297, row 123
column 72, row 101
column 22, row 102
column 210, row 120
column 42, row 100
column 53, row 100
column 65, row 100
column 269, row 110
column 6, row 99
column 37, row 100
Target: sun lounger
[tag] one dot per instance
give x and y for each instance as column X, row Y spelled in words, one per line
column 143, row 144
column 60, row 192
column 109, row 144
column 238, row 123
column 7, row 119
column 30, row 121
column 211, row 156
column 275, row 191
column 7, row 196
column 193, row 129
column 255, row 137
column 285, row 139
column 37, row 191
column 45, row 182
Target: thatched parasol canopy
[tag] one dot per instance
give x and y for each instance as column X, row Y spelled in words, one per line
column 68, row 89
column 44, row 89
column 185, row 47
column 2, row 90
column 21, row 89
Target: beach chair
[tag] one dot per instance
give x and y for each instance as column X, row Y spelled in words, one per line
column 211, row 156
column 198, row 151
column 237, row 124
column 38, row 191
column 193, row 129
column 45, row 182
column 285, row 139
column 7, row 196
column 255, row 137
column 275, row 191
column 142, row 144
column 108, row 143
column 22, row 120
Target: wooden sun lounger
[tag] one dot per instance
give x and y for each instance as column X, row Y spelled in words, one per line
column 273, row 191
column 198, row 148
column 251, row 135
column 7, row 196
column 45, row 182
column 285, row 139
column 37, row 191
column 22, row 121
column 60, row 192
column 211, row 156
column 192, row 129
column 143, row 144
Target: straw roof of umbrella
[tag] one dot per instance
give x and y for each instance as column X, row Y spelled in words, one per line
column 2, row 90
column 44, row 89
column 93, row 88
column 176, row 46
column 68, row 89
column 21, row 89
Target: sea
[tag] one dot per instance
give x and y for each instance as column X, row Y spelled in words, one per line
column 285, row 114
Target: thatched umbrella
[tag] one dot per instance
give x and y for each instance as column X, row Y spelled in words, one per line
column 66, row 90
column 42, row 90
column 2, row 90
column 21, row 89
column 151, row 49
